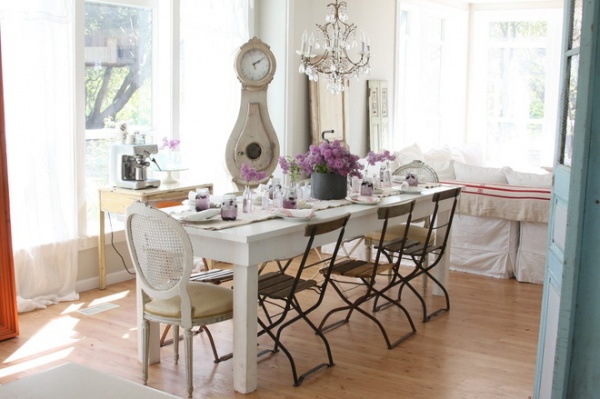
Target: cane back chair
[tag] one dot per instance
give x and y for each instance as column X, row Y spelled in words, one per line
column 161, row 252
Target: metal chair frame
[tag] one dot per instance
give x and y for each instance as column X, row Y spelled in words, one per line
column 420, row 253
column 282, row 288
column 367, row 272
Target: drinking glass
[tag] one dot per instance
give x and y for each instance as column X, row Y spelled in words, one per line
column 229, row 207
column 202, row 199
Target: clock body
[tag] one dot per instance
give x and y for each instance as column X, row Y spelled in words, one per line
column 253, row 140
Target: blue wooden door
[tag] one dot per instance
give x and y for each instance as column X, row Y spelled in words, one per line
column 570, row 308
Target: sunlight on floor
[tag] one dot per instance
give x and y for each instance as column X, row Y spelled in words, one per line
column 55, row 340
column 36, row 362
column 59, row 333
column 109, row 298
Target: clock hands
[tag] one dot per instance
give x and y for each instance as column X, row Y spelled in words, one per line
column 258, row 61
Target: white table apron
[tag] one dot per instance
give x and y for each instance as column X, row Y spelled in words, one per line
column 249, row 245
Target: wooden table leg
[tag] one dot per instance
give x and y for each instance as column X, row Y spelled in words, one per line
column 101, row 254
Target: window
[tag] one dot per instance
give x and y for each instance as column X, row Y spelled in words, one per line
column 514, row 83
column 195, row 100
column 431, row 85
column 496, row 86
column 118, row 86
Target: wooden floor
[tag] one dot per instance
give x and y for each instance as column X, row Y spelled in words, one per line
column 485, row 347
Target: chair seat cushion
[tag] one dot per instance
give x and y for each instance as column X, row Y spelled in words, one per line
column 416, row 233
column 208, row 300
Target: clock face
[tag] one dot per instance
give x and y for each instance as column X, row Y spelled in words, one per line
column 255, row 65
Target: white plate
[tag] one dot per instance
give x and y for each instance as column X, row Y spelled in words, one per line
column 294, row 214
column 364, row 200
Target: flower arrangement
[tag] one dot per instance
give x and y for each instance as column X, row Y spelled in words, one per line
column 250, row 174
column 328, row 157
column 373, row 158
column 290, row 166
column 172, row 144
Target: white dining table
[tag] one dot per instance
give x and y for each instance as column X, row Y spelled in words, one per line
column 248, row 246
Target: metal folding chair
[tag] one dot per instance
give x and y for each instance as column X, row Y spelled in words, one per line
column 282, row 288
column 348, row 271
column 427, row 254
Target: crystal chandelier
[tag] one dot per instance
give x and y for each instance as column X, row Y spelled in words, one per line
column 326, row 50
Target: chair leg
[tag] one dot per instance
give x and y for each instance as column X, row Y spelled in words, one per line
column 145, row 350
column 189, row 368
column 213, row 346
column 446, row 295
column 276, row 337
column 176, row 343
column 420, row 270
column 355, row 305
column 163, row 337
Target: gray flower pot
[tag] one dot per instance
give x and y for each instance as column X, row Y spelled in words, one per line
column 328, row 186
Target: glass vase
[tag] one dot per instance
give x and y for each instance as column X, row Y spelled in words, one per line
column 247, row 200
column 385, row 176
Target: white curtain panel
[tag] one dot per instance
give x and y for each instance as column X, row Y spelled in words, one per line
column 210, row 93
column 37, row 55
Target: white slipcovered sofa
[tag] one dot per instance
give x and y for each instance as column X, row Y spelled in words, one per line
column 500, row 228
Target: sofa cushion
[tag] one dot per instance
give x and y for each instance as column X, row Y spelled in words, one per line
column 515, row 178
column 443, row 169
column 443, row 154
column 408, row 154
column 473, row 154
column 480, row 174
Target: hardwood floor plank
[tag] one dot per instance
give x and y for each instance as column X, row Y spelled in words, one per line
column 485, row 347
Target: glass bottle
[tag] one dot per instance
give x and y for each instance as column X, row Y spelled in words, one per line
column 376, row 182
column 247, row 200
column 265, row 200
column 273, row 186
column 385, row 176
column 306, row 192
column 366, row 187
column 278, row 197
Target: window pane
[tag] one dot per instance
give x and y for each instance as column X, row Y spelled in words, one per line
column 568, row 127
column 431, row 78
column 211, row 33
column 576, row 21
column 118, row 86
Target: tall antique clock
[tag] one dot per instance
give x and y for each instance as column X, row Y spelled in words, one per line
column 253, row 140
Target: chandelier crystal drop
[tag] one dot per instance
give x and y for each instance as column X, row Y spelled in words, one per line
column 336, row 50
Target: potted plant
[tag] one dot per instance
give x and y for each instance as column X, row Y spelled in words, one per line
column 329, row 165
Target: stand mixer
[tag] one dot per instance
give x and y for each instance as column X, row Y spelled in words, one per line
column 129, row 166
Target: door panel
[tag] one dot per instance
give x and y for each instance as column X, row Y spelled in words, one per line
column 567, row 210
column 9, row 325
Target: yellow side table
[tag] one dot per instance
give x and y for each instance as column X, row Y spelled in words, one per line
column 117, row 200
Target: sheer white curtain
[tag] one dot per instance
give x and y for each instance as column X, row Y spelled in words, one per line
column 37, row 46
column 211, row 33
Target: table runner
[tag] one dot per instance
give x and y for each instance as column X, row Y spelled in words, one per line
column 258, row 215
